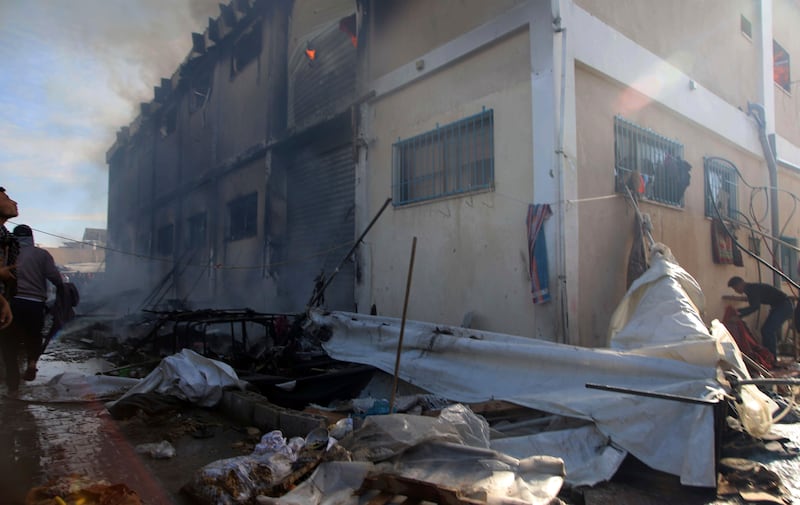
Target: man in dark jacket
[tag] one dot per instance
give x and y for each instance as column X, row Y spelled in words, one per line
column 35, row 266
column 780, row 308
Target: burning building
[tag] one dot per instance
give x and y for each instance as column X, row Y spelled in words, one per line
column 507, row 134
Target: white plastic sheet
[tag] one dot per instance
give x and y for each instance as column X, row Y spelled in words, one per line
column 450, row 451
column 189, row 376
column 78, row 387
column 468, row 365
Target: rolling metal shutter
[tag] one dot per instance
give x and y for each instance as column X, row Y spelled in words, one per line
column 321, row 223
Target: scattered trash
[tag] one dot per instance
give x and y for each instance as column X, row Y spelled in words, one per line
column 77, row 489
column 270, row 470
column 160, row 450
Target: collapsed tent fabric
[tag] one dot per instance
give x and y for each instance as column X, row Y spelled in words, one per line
column 190, row 377
column 451, row 451
column 678, row 358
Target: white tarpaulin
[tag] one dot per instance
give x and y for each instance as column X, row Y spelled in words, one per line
column 188, row 376
column 451, row 451
column 468, row 366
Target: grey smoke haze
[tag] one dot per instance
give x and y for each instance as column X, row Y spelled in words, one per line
column 74, row 72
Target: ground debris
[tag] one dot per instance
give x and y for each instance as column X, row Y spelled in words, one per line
column 80, row 490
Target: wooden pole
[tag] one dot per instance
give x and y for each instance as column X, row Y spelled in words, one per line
column 402, row 325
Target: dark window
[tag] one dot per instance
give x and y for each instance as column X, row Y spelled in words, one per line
column 169, row 121
column 721, row 187
column 780, row 67
column 754, row 244
column 164, row 238
column 143, row 244
column 450, row 160
column 789, row 258
column 746, row 27
column 196, row 230
column 242, row 217
column 246, row 49
column 200, row 90
column 649, row 164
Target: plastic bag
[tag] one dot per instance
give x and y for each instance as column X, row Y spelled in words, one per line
column 160, row 450
column 238, row 480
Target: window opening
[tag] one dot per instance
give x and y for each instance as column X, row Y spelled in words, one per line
column 200, row 90
column 746, row 27
column 789, row 264
column 454, row 159
column 242, row 217
column 246, row 49
column 169, row 121
column 651, row 165
column 164, row 240
column 780, row 67
column 722, row 187
column 196, row 230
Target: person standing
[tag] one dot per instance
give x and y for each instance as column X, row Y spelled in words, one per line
column 9, row 248
column 780, row 308
column 35, row 266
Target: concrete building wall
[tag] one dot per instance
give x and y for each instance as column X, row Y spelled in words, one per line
column 186, row 154
column 471, row 253
column 702, row 39
column 786, row 19
column 391, row 43
column 607, row 225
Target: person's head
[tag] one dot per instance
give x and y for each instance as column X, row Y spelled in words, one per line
column 737, row 283
column 23, row 230
column 8, row 207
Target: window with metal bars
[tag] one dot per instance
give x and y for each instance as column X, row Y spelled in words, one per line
column 449, row 160
column 721, row 188
column 788, row 255
column 649, row 164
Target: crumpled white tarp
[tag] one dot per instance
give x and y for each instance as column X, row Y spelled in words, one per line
column 450, row 451
column 588, row 456
column 468, row 365
column 190, row 377
column 71, row 387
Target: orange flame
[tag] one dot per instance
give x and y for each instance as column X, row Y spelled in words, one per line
column 311, row 53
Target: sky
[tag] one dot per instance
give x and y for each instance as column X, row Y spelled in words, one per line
column 72, row 73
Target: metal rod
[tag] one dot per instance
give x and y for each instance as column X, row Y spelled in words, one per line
column 788, row 381
column 652, row 394
column 318, row 294
column 402, row 325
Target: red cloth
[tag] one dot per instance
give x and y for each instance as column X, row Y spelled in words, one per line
column 744, row 339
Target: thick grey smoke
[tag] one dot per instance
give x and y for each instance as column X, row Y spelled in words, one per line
column 125, row 46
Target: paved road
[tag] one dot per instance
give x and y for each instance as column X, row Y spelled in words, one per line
column 40, row 441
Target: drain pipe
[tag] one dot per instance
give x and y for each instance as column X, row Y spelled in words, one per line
column 758, row 113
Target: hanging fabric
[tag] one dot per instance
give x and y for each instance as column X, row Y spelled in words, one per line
column 537, row 252
column 721, row 244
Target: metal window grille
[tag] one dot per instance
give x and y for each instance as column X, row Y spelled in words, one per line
column 721, row 187
column 650, row 164
column 789, row 258
column 453, row 159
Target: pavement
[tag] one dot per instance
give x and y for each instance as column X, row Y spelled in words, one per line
column 42, row 441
